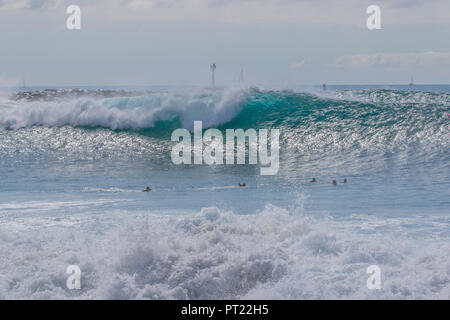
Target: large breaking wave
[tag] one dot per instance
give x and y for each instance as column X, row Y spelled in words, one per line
column 244, row 107
column 344, row 124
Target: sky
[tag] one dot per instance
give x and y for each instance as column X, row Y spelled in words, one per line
column 173, row 42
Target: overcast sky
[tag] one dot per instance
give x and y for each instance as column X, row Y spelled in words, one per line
column 276, row 42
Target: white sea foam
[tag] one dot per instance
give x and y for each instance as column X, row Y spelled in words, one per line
column 217, row 254
column 216, row 188
column 109, row 190
column 213, row 109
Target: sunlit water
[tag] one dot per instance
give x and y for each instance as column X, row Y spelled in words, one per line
column 72, row 173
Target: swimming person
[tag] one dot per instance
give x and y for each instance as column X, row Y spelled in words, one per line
column 313, row 180
column 148, row 189
column 241, row 185
column 334, row 183
column 345, row 181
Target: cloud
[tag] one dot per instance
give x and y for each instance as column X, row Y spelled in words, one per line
column 29, row 4
column 420, row 59
column 298, row 65
column 248, row 11
column 36, row 4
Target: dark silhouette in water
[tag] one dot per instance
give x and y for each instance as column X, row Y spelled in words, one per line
column 242, row 185
column 334, row 183
column 345, row 181
column 313, row 180
column 148, row 189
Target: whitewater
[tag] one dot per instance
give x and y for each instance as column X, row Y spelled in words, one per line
column 72, row 170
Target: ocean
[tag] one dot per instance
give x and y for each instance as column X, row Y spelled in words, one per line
column 72, row 171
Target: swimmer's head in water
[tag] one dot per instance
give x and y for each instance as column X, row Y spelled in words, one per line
column 345, row 180
column 334, row 182
column 313, row 180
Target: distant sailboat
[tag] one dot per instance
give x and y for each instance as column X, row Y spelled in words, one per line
column 412, row 82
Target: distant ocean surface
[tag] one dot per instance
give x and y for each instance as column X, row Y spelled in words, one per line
column 72, row 171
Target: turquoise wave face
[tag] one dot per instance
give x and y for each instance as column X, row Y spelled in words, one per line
column 358, row 123
column 379, row 108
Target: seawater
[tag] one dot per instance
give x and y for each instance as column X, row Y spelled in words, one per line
column 73, row 169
